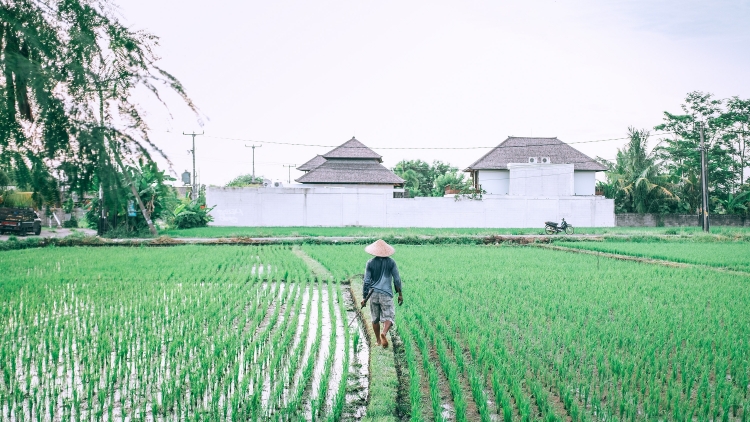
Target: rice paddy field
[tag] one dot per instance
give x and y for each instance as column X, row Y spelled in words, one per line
column 523, row 333
column 486, row 333
column 183, row 333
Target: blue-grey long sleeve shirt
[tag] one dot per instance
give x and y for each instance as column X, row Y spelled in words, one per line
column 386, row 271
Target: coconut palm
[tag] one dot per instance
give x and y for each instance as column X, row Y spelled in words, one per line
column 636, row 180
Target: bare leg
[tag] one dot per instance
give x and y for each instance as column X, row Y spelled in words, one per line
column 376, row 328
column 383, row 338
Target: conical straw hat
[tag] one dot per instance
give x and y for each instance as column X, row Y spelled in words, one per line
column 380, row 248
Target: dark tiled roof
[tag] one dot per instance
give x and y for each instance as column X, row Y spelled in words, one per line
column 351, row 171
column 518, row 150
column 352, row 149
column 313, row 163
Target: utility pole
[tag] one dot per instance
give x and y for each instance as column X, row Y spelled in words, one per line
column 704, row 181
column 253, row 147
column 193, row 193
column 289, row 178
column 102, row 214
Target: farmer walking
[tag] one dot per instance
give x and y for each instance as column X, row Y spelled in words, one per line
column 381, row 274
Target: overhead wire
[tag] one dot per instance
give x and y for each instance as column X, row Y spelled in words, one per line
column 427, row 148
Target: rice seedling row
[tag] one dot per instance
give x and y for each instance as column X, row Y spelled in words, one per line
column 732, row 255
column 556, row 336
column 179, row 333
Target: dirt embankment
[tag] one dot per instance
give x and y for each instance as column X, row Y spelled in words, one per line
column 80, row 239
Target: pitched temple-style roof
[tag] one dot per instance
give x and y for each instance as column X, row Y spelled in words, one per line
column 352, row 149
column 350, row 163
column 351, row 171
column 312, row 164
column 518, row 150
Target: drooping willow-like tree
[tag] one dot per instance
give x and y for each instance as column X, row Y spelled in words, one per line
column 69, row 71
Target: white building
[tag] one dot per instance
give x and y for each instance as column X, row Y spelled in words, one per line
column 538, row 167
column 349, row 186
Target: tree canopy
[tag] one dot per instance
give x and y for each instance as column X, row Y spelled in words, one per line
column 667, row 179
column 244, row 180
column 69, row 70
column 423, row 179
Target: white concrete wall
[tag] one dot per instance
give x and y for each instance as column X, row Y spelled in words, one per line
column 584, row 182
column 541, row 180
column 494, row 182
column 270, row 207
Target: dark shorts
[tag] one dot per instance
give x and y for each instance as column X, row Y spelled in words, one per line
column 381, row 308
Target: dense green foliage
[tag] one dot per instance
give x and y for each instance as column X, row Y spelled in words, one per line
column 667, row 179
column 636, row 181
column 547, row 335
column 423, row 179
column 191, row 214
column 67, row 116
column 159, row 199
column 180, row 333
column 245, row 180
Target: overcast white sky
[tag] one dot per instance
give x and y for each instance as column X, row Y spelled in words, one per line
column 429, row 73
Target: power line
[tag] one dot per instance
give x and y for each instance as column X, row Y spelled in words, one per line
column 430, row 148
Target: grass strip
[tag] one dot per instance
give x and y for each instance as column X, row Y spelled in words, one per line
column 220, row 231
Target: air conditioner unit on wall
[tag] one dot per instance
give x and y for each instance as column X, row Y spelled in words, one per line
column 278, row 184
column 533, row 160
column 545, row 160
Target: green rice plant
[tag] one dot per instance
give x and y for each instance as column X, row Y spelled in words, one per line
column 340, row 395
column 731, row 255
column 608, row 340
column 415, row 392
column 294, row 404
column 317, row 406
column 291, row 359
column 429, row 369
column 187, row 332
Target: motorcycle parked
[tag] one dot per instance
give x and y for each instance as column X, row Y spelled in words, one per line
column 551, row 227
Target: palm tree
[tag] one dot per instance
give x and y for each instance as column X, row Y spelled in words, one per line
column 636, row 180
column 411, row 181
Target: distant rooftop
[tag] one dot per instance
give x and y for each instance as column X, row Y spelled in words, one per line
column 312, row 164
column 352, row 149
column 350, row 163
column 351, row 171
column 518, row 150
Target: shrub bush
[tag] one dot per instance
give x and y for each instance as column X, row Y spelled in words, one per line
column 72, row 223
column 191, row 215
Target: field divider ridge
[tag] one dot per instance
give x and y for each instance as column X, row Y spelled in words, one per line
column 640, row 259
